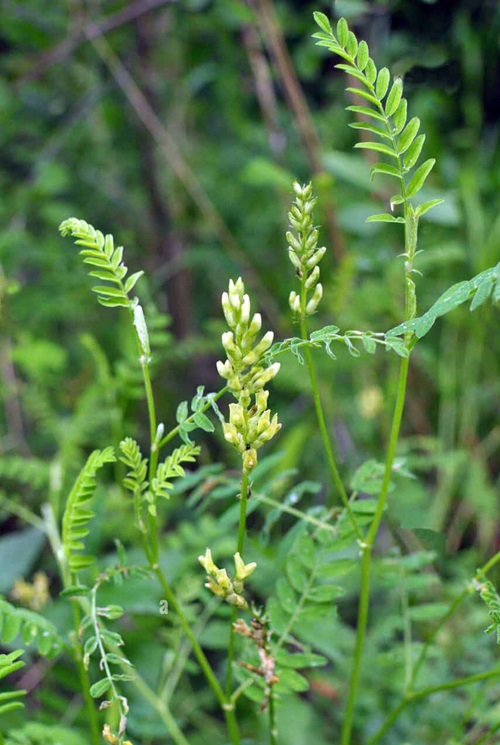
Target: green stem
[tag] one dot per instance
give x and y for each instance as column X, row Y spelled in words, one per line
column 226, row 705
column 424, row 692
column 84, row 678
column 321, row 421
column 239, row 548
column 364, row 599
column 273, row 733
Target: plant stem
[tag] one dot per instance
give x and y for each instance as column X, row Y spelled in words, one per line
column 364, row 599
column 321, row 420
column 239, row 548
column 424, row 692
column 226, row 705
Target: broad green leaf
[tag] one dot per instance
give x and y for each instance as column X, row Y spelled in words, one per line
column 108, row 276
column 131, row 281
column 293, row 681
column 9, row 628
column 300, row 660
column 90, row 646
column 323, row 22
column 117, row 257
column 482, row 294
column 365, row 111
column 363, row 55
column 203, row 422
column 99, row 689
column 418, row 179
column 369, row 344
column 408, row 135
column 426, row 206
column 371, row 128
column 353, row 71
column 379, row 147
column 352, row 44
column 114, row 302
column 286, row 595
column 394, row 97
column 371, row 71
column 342, row 32
column 386, row 169
column 278, row 617
column 324, row 593
column 413, row 152
column 364, row 94
column 428, row 612
column 296, row 573
column 108, row 291
column 336, row 568
column 383, row 80
column 399, row 118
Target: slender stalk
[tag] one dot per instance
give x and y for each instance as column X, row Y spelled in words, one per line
column 151, row 551
column 273, row 732
column 234, row 612
column 226, row 705
column 364, row 599
column 325, row 437
column 424, row 692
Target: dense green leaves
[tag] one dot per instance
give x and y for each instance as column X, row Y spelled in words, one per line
column 77, row 514
column 99, row 251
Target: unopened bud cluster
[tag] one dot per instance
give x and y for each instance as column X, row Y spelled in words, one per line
column 250, row 425
column 219, row 582
column 303, row 251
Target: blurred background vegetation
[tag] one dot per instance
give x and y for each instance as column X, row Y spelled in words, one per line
column 178, row 127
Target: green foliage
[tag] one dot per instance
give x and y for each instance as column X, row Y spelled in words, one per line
column 72, row 141
column 386, row 106
column 490, row 597
column 9, row 663
column 32, row 472
column 32, row 627
column 77, row 514
column 99, row 252
column 171, row 468
column 479, row 288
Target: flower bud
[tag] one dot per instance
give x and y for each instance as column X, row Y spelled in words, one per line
column 312, row 278
column 316, row 258
column 249, row 459
column 314, row 301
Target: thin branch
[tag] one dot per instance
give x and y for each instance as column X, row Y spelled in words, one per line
column 91, row 31
column 184, row 172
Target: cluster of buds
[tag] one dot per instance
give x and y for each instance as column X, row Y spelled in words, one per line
column 253, row 426
column 250, row 425
column 219, row 582
column 303, row 251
